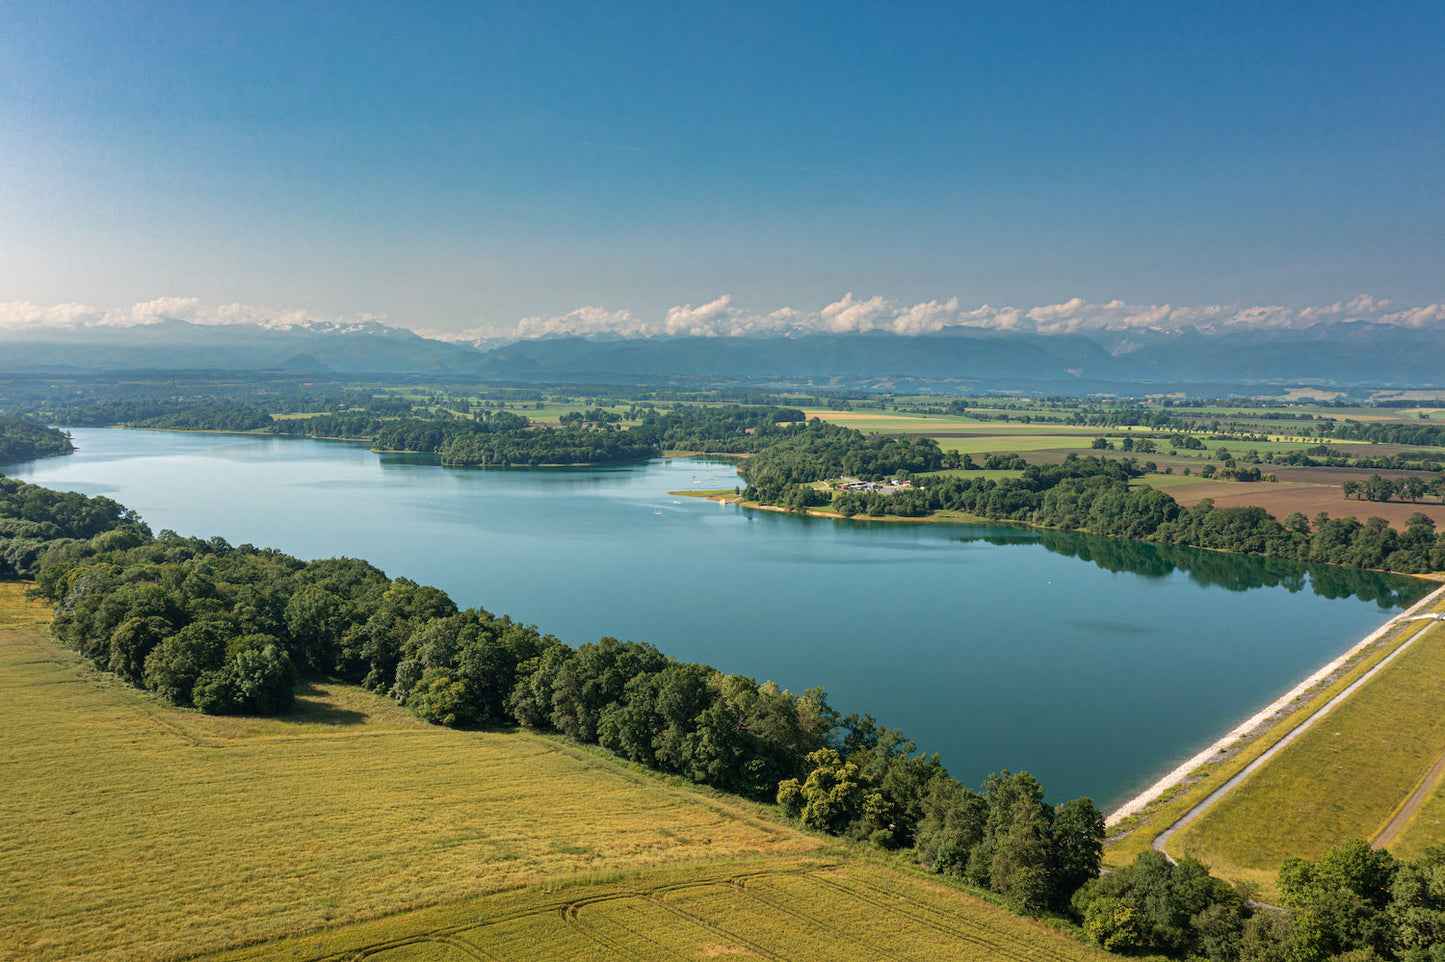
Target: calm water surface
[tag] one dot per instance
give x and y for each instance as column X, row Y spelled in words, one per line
column 1095, row 664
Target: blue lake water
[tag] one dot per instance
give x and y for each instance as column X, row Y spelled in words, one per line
column 1095, row 664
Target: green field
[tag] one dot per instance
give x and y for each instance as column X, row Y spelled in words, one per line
column 132, row 830
column 1170, row 482
column 1014, row 444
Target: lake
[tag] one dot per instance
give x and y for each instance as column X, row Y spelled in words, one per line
column 1096, row 664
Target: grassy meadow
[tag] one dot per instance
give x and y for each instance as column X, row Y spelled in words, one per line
column 1426, row 827
column 131, row 830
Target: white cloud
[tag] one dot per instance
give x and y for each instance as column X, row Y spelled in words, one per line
column 19, row 315
column 708, row 320
column 25, row 315
column 584, row 320
column 721, row 317
column 1418, row 317
column 851, row 314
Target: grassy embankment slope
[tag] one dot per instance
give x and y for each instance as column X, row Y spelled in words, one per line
column 131, row 830
column 1344, row 778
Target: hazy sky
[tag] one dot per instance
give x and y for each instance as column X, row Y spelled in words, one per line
column 470, row 165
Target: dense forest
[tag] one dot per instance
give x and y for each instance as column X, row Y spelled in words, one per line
column 504, row 438
column 33, row 520
column 22, row 440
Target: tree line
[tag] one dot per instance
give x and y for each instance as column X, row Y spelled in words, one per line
column 504, row 438
column 1376, row 488
column 1422, row 435
column 1352, row 904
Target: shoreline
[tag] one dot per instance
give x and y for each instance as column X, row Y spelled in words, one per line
column 1437, row 577
column 1260, row 721
column 955, row 518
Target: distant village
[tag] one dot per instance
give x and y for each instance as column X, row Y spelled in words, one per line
column 877, row 487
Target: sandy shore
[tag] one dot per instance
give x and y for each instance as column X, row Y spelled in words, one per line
column 1265, row 716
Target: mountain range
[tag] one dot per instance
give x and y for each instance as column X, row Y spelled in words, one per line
column 1346, row 353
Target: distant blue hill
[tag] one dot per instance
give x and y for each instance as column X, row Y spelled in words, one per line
column 1343, row 353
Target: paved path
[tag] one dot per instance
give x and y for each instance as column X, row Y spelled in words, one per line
column 1417, row 798
column 1162, row 839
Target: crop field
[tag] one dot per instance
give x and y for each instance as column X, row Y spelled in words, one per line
column 1343, row 778
column 132, row 830
column 772, row 910
column 1286, row 496
column 1011, row 444
column 888, row 422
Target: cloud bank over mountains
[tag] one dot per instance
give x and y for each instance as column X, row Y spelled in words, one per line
column 27, row 316
column 721, row 317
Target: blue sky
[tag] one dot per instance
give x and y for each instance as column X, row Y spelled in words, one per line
column 458, row 166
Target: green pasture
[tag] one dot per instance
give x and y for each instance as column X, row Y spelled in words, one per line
column 888, row 422
column 1169, row 482
column 1425, row 829
column 1017, row 444
column 996, row 474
